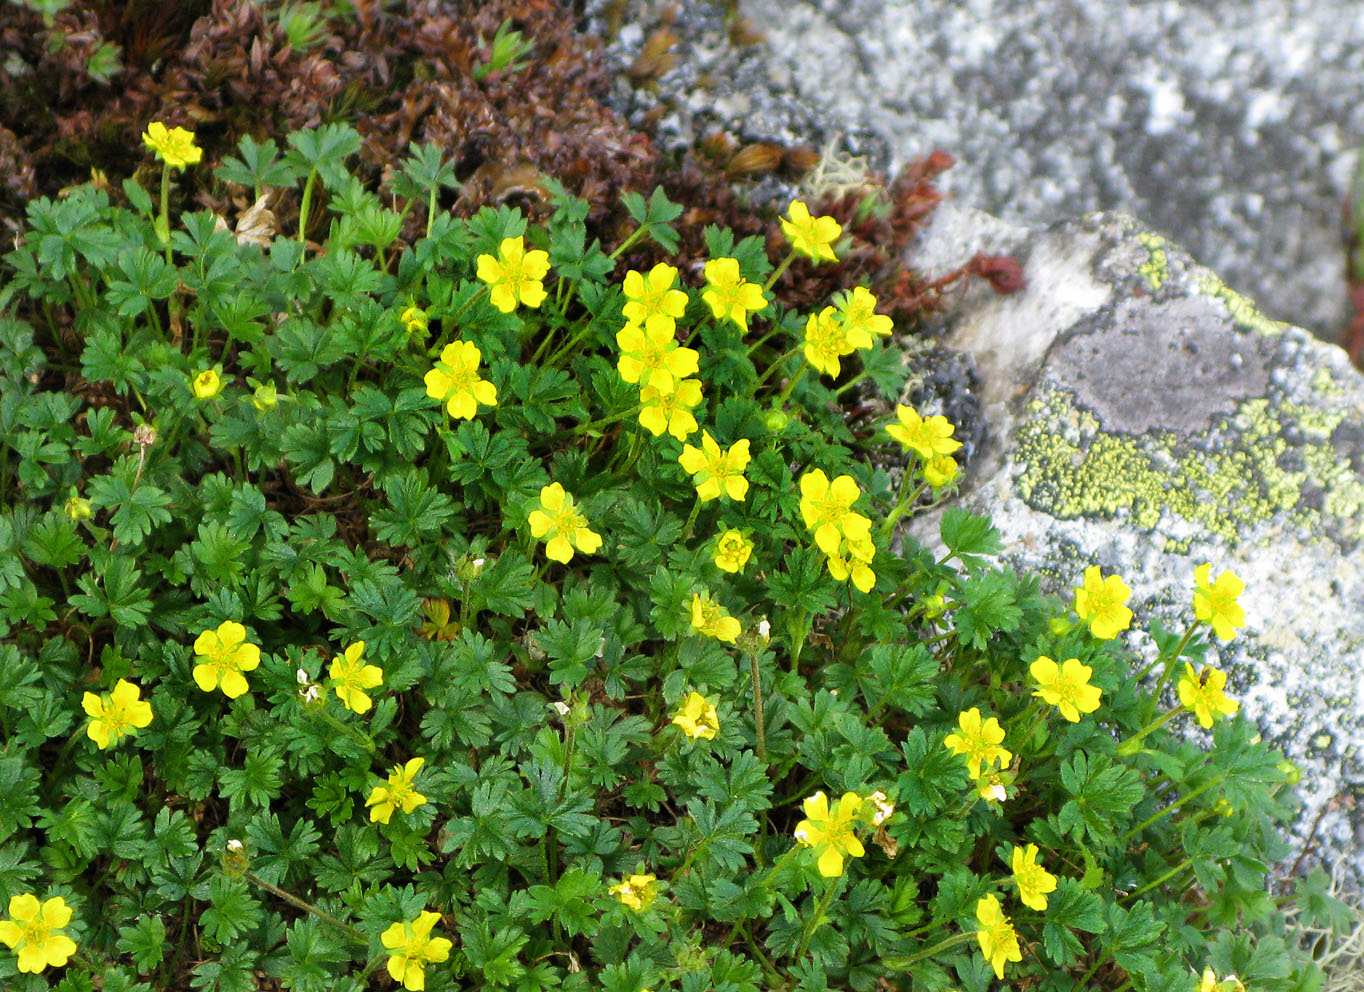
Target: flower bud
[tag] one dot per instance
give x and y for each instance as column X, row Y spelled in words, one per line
column 775, row 420
column 265, row 397
column 414, row 320
column 78, row 509
column 234, row 861
column 1292, row 774
column 206, row 385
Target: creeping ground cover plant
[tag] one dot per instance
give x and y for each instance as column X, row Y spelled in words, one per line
column 513, row 611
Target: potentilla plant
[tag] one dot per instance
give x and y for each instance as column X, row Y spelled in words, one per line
column 508, row 611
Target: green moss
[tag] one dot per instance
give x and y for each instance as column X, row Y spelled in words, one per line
column 1226, row 481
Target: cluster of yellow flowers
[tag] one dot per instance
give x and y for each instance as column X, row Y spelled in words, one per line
column 841, row 533
column 930, row 438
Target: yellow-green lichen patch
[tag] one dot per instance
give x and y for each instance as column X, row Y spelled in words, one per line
column 1157, row 266
column 1243, row 312
column 1225, row 481
column 1324, row 383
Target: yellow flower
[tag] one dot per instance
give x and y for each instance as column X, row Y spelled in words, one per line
column 1215, row 603
column 857, row 313
column 732, row 551
column 398, row 793
column 826, row 508
column 515, row 275
column 697, row 717
column 1203, row 695
column 456, row 383
column 1033, row 881
column 998, row 941
column 414, row 320
column 1100, row 602
column 175, row 146
column 561, row 525
column 650, row 356
column 717, row 472
column 939, row 471
column 829, row 833
column 33, row 931
column 351, row 677
column 653, row 296
column 1066, row 687
column 812, row 237
column 1209, row 983
column 929, row 437
column 206, row 385
column 78, row 509
column 411, row 948
column 438, row 626
column 990, row 786
column 671, row 412
column 227, row 654
column 979, row 741
column 825, row 342
column 729, row 295
column 636, row 892
column 115, row 713
column 853, row 558
column 711, row 619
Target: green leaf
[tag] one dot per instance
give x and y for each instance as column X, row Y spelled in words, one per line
column 1103, row 797
column 967, row 536
column 1070, row 907
column 415, row 511
column 904, row 676
column 1132, row 936
column 145, row 941
column 136, row 511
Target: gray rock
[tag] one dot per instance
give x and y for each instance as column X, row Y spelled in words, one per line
column 1228, row 125
column 1143, row 417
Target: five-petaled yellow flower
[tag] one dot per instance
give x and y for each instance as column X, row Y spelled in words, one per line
column 1066, row 686
column 826, row 341
column 829, row 833
column 562, row 527
column 729, row 295
column 697, row 717
column 636, row 892
column 33, row 930
column 671, row 412
column 979, row 741
column 456, row 383
column 174, row 146
column 826, row 508
column 351, row 677
column 227, row 654
column 717, row 472
column 514, row 275
column 398, row 793
column 116, row 713
column 857, row 312
column 812, row 237
column 651, row 356
column 1033, row 881
column 411, row 948
column 998, row 941
column 711, row 619
column 206, row 385
column 653, row 295
column 1214, row 603
column 928, row 437
column 1203, row 695
column 1100, row 602
column 732, row 550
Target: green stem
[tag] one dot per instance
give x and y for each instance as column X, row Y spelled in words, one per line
column 901, row 508
column 691, row 520
column 448, row 323
column 762, row 341
column 163, row 222
column 295, row 901
column 1133, row 744
column 902, row 964
column 1169, row 664
column 864, row 374
column 817, row 919
column 791, row 384
column 1160, row 815
column 1156, row 883
column 305, row 206
column 777, row 272
column 364, row 740
column 634, row 236
column 776, row 364
column 430, row 210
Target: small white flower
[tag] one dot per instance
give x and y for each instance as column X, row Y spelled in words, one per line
column 563, row 709
column 478, row 564
column 996, row 792
column 312, row 694
column 234, row 845
column 764, row 630
column 302, row 676
column 884, row 807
